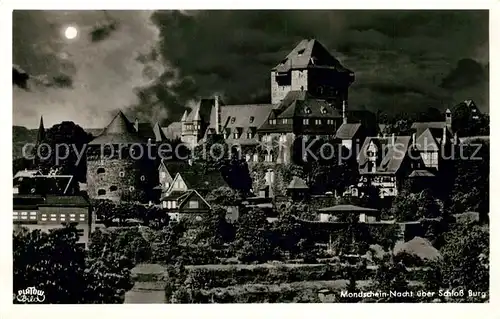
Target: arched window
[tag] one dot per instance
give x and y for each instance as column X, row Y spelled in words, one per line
column 122, row 174
column 101, row 170
column 143, row 178
column 101, row 192
column 131, row 188
column 113, row 188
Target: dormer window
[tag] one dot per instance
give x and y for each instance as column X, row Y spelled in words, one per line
column 233, row 119
column 307, row 110
column 324, row 110
column 301, row 51
column 252, row 119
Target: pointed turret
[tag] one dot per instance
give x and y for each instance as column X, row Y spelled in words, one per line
column 196, row 114
column 119, row 131
column 184, row 116
column 41, row 132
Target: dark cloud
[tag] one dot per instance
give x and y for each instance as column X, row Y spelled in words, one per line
column 467, row 73
column 399, row 57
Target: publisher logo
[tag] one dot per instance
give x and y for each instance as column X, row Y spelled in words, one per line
column 30, row 295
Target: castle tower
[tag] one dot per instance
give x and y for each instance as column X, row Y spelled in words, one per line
column 448, row 118
column 118, row 167
column 310, row 67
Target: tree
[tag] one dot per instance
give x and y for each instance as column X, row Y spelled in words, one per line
column 465, row 263
column 55, row 264
column 224, row 196
column 254, row 238
column 165, row 245
column 67, row 142
column 412, row 207
column 212, row 154
column 390, row 276
column 470, row 190
column 104, row 210
column 215, row 231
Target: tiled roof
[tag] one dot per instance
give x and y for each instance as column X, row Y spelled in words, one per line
column 309, row 53
column 348, row 130
column 390, row 155
column 202, row 182
column 174, row 167
column 246, row 118
column 118, row 131
column 297, row 183
column 94, row 131
column 174, row 195
column 146, row 131
column 27, row 201
column 421, row 173
column 420, row 127
column 172, row 131
column 65, row 201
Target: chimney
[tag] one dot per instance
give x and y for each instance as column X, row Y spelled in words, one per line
column 344, row 115
column 136, row 124
column 443, row 142
column 217, row 115
column 393, row 139
column 448, row 118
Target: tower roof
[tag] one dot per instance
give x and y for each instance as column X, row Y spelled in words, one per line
column 184, row 116
column 118, row 131
column 41, row 131
column 309, row 53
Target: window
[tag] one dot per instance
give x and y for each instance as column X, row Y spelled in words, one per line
column 143, row 178
column 193, row 204
column 174, row 204
column 163, row 175
column 236, row 135
column 255, row 157
column 101, row 192
column 252, row 119
column 131, row 188
column 318, row 122
column 285, row 121
column 101, row 170
column 122, row 174
column 233, row 120
column 324, row 110
column 164, row 204
column 307, row 110
column 113, row 188
column 301, row 51
column 305, row 121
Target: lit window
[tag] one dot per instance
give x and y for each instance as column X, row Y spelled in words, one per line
column 308, row 110
column 323, row 110
column 318, row 122
column 143, row 178
column 285, row 121
column 305, row 121
column 131, row 188
column 164, row 204
column 174, row 204
column 72, row 215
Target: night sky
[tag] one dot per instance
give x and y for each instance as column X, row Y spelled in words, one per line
column 153, row 64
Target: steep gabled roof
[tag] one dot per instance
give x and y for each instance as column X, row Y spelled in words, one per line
column 347, row 131
column 391, row 155
column 159, row 135
column 189, row 196
column 202, row 182
column 309, row 53
column 174, row 167
column 201, row 112
column 118, row 131
column 420, row 127
column 146, row 131
column 421, row 173
column 246, row 118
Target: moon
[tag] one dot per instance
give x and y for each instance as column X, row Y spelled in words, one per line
column 70, row 33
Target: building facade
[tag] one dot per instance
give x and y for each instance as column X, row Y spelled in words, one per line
column 36, row 212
